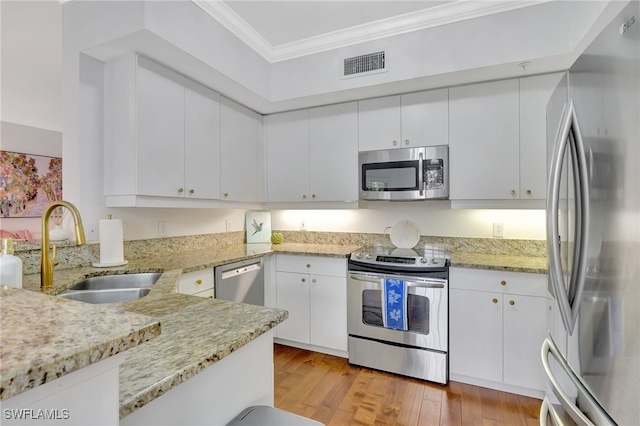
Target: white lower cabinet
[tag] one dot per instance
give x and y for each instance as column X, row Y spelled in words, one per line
column 313, row 290
column 498, row 321
column 197, row 283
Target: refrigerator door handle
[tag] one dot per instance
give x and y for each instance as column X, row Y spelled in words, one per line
column 590, row 404
column 568, row 297
column 548, row 412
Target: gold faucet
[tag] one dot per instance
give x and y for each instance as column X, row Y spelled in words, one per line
column 47, row 262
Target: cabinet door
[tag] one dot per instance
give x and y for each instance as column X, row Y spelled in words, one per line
column 524, row 331
column 379, row 124
column 160, row 130
column 484, row 141
column 239, row 167
column 292, row 294
column 328, row 312
column 333, row 148
column 288, row 156
column 425, row 118
column 535, row 93
column 202, row 142
column 475, row 334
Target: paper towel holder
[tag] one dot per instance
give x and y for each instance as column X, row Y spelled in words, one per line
column 103, row 264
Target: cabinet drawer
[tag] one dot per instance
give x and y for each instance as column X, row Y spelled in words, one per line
column 196, row 282
column 522, row 283
column 316, row 265
column 206, row 293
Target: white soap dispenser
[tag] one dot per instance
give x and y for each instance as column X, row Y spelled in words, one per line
column 10, row 265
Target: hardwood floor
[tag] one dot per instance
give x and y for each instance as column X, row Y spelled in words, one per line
column 327, row 389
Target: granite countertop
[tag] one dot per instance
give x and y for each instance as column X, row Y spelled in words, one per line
column 44, row 337
column 530, row 264
column 205, row 329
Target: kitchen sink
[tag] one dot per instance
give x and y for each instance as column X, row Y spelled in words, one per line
column 106, row 296
column 121, row 281
column 112, row 288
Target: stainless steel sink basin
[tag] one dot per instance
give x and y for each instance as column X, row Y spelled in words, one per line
column 127, row 281
column 106, row 296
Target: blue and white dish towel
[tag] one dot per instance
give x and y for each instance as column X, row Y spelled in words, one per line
column 394, row 303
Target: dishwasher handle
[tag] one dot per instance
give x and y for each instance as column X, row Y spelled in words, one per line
column 240, row 271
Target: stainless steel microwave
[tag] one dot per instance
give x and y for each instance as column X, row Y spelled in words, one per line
column 405, row 173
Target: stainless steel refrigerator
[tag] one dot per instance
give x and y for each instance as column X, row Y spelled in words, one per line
column 592, row 359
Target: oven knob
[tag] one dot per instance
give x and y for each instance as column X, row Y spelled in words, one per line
column 368, row 256
column 435, row 261
column 359, row 255
column 423, row 260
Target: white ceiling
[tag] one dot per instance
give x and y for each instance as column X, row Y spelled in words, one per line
column 285, row 29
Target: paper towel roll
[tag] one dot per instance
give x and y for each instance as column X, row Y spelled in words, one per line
column 111, row 241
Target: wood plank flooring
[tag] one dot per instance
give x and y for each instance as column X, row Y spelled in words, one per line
column 327, row 389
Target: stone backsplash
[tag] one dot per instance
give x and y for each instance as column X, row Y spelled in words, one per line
column 71, row 256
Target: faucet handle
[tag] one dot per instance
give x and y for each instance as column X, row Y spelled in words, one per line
column 54, row 260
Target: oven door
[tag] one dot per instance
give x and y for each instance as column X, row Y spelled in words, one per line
column 396, row 174
column 427, row 310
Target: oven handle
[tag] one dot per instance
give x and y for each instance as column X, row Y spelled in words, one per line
column 410, row 281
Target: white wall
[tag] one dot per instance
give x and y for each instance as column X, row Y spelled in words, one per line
column 32, row 81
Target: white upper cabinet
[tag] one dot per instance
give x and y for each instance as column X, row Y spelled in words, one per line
column 535, row 93
column 240, row 168
column 312, row 155
column 497, row 145
column 202, row 141
column 288, row 156
column 162, row 133
column 411, row 120
column 333, row 148
column 483, row 141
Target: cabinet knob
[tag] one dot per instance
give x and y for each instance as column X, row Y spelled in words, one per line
column 494, row 300
column 304, row 280
column 395, row 143
column 191, row 191
column 528, row 192
column 226, row 194
column 211, row 297
column 503, row 282
column 313, row 280
column 198, row 282
column 180, row 190
column 512, row 302
column 304, row 196
column 406, row 141
column 313, row 195
column 308, row 265
column 513, row 192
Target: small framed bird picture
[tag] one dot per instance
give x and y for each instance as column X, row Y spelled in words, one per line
column 258, row 225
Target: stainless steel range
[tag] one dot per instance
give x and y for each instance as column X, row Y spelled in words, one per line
column 398, row 311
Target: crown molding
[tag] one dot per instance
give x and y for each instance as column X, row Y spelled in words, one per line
column 427, row 18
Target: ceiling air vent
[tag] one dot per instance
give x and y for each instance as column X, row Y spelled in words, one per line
column 365, row 64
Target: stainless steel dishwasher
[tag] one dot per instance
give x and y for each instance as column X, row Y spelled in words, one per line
column 241, row 282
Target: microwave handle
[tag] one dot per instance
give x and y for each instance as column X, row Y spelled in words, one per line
column 421, row 183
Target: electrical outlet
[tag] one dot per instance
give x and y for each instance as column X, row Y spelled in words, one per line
column 302, row 225
column 162, row 228
column 92, row 232
column 227, row 225
column 498, row 230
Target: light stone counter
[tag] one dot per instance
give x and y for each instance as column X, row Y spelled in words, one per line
column 43, row 338
column 502, row 262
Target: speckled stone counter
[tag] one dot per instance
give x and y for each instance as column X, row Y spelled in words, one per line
column 502, row 262
column 44, row 338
